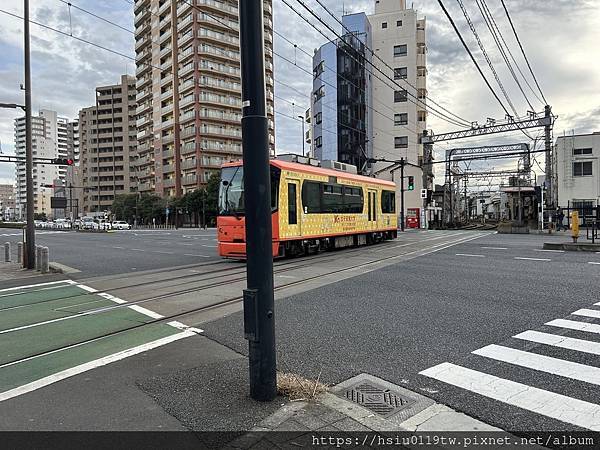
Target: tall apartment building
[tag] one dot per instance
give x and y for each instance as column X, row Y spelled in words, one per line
column 49, row 140
column 359, row 112
column 577, row 168
column 107, row 138
column 189, row 90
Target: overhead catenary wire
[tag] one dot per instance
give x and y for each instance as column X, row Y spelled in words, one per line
column 488, row 21
column 523, row 51
column 507, row 47
column 468, row 50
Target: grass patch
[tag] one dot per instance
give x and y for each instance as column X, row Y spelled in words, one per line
column 298, row 388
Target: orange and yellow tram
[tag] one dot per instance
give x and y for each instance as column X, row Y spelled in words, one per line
column 313, row 209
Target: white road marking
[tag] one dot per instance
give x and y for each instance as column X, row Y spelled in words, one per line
column 184, row 327
column 469, row 255
column 118, row 248
column 285, row 276
column 46, row 381
column 164, row 253
column 137, row 250
column 539, row 401
column 554, row 366
column 87, row 288
column 532, row 259
column 199, row 256
column 186, row 244
column 207, row 246
column 575, row 325
column 595, row 263
column 495, row 248
column 555, row 340
column 587, row 313
column 548, row 251
column 16, row 288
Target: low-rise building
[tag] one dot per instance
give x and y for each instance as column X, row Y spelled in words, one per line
column 577, row 169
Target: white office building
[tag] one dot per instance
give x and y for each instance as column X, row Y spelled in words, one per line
column 577, row 169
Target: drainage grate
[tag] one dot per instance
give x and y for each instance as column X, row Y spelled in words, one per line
column 377, row 399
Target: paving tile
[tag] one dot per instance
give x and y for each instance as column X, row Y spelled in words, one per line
column 349, row 424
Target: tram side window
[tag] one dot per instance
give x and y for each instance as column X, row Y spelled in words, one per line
column 388, row 202
column 311, row 197
column 333, row 201
column 353, row 200
column 292, row 211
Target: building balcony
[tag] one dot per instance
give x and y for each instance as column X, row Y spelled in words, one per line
column 167, row 123
column 192, row 164
column 143, row 95
column 168, row 168
column 168, row 183
column 185, row 22
column 142, row 82
column 183, row 8
column 164, row 81
column 143, row 14
column 184, row 101
column 143, row 108
column 187, row 132
column 188, row 68
column 145, row 187
column 167, row 94
column 188, row 148
column 421, row 59
column 166, row 65
column 186, row 85
column 166, row 5
column 219, row 38
column 421, row 83
column 220, row 7
column 164, row 22
column 144, row 134
column 141, row 43
column 167, row 139
column 183, row 40
column 189, row 179
column 191, row 115
column 165, row 51
column 166, row 35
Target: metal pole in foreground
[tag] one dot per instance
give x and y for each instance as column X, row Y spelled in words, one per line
column 30, row 229
column 259, row 320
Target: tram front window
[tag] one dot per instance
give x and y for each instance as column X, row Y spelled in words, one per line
column 231, row 193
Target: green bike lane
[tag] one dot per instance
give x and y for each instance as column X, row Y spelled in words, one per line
column 52, row 331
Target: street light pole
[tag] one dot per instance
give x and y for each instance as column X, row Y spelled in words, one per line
column 259, row 316
column 402, row 163
column 302, row 119
column 30, row 228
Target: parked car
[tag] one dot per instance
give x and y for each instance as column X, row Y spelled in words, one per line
column 104, row 225
column 120, row 225
column 62, row 224
column 88, row 223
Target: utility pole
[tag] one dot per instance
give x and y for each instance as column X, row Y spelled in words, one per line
column 259, row 316
column 30, row 229
column 548, row 148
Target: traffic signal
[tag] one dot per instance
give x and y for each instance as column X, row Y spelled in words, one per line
column 63, row 161
column 411, row 183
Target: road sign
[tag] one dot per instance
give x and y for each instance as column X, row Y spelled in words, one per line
column 58, row 202
column 423, row 193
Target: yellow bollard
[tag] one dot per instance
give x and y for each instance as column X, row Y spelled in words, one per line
column 575, row 225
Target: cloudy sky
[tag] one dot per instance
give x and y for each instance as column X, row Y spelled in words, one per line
column 560, row 38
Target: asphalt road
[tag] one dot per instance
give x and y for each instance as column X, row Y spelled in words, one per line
column 96, row 254
column 435, row 310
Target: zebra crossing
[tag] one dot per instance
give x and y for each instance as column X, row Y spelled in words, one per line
column 559, row 365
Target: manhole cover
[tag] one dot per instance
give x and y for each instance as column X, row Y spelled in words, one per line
column 377, row 399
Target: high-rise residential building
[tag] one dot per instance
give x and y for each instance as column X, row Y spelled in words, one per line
column 107, row 141
column 577, row 170
column 359, row 111
column 49, row 135
column 73, row 182
column 189, row 90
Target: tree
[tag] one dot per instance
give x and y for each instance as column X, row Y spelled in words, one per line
column 123, row 207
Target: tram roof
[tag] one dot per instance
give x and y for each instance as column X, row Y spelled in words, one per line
column 305, row 168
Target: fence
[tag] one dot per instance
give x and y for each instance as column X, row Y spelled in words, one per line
column 589, row 218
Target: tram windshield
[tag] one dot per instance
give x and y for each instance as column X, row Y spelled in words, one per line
column 231, row 193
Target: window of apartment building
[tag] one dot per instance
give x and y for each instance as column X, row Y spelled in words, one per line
column 421, row 116
column 318, row 70
column 401, row 142
column 319, row 93
column 400, row 73
column 582, row 151
column 421, row 71
column 400, row 50
column 401, row 119
column 582, row 169
column 398, row 23
column 319, row 141
column 400, row 96
column 384, row 25
column 582, row 204
column 319, row 118
column 421, row 93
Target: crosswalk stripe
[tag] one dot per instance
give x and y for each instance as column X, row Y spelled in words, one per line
column 540, row 401
column 575, row 325
column 555, row 340
column 588, row 313
column 554, row 366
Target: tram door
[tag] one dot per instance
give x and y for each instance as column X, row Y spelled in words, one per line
column 372, row 209
column 294, row 216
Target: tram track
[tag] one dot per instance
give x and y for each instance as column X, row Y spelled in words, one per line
column 221, row 303
column 296, row 263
